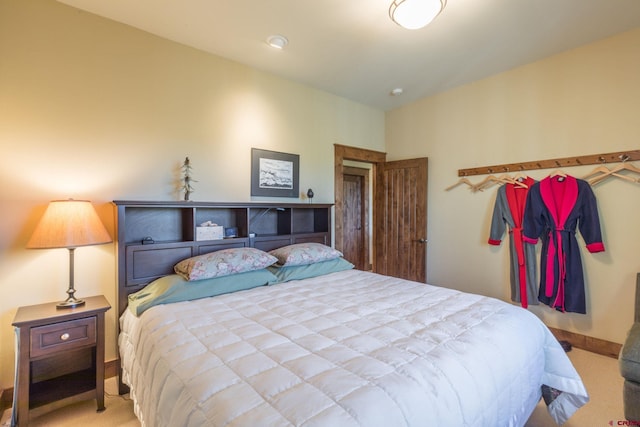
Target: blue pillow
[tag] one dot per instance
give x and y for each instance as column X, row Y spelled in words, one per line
column 297, row 272
column 174, row 288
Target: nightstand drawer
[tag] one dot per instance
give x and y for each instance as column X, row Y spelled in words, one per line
column 63, row 336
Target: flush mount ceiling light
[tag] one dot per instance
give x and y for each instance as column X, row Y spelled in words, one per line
column 415, row 14
column 277, row 41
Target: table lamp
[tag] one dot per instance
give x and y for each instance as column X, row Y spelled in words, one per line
column 69, row 224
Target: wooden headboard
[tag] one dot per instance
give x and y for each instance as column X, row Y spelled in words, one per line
column 154, row 236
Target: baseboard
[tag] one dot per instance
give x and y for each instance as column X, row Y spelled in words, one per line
column 6, row 400
column 110, row 368
column 583, row 342
column 6, row 396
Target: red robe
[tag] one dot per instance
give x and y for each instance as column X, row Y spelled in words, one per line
column 555, row 208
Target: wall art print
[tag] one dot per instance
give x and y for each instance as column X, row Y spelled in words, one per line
column 274, row 174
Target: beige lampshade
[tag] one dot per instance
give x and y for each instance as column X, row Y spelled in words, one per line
column 69, row 224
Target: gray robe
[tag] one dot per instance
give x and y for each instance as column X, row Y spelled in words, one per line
column 503, row 217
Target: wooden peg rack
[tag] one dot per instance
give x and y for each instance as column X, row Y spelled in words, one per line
column 594, row 159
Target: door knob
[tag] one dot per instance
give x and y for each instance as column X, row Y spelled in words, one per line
column 422, row 240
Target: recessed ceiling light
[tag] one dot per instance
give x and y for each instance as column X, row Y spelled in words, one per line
column 277, row 41
column 397, row 91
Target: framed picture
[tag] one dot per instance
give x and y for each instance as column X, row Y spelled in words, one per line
column 274, row 174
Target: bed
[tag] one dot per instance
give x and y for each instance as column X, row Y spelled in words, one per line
column 318, row 343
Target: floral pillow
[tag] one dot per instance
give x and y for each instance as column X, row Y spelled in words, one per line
column 304, row 253
column 223, row 263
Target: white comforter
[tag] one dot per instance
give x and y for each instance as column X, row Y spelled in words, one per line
column 345, row 349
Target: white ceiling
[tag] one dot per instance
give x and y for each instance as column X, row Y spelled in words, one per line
column 352, row 49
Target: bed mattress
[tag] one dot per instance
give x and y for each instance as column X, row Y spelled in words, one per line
column 345, row 349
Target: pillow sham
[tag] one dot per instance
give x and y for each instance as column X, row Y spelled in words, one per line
column 174, row 288
column 298, row 272
column 304, row 253
column 223, row 263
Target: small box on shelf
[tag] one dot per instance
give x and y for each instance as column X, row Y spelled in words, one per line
column 215, row 232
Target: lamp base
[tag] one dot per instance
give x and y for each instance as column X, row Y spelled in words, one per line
column 71, row 300
column 70, row 303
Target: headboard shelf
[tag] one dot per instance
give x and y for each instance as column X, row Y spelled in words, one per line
column 154, row 235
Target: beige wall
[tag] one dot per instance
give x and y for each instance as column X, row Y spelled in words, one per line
column 94, row 109
column 585, row 101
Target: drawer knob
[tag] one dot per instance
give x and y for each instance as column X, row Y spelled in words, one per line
column 64, row 336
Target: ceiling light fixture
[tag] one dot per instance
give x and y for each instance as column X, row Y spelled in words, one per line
column 277, row 41
column 415, row 14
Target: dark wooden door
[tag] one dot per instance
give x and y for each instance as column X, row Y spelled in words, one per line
column 354, row 220
column 401, row 219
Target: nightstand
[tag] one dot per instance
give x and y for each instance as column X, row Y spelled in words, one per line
column 59, row 357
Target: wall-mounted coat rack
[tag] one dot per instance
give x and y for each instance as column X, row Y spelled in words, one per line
column 594, row 159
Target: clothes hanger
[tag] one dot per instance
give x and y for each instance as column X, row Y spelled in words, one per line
column 490, row 181
column 462, row 180
column 597, row 171
column 598, row 179
column 614, row 172
column 600, row 172
column 518, row 180
column 626, row 166
column 502, row 179
column 520, row 176
column 515, row 182
column 559, row 173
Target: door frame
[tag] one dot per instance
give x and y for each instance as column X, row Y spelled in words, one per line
column 366, row 205
column 342, row 153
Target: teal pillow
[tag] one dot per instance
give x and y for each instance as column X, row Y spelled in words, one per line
column 174, row 288
column 297, row 272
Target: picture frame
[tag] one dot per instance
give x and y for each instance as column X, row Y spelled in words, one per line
column 274, row 174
